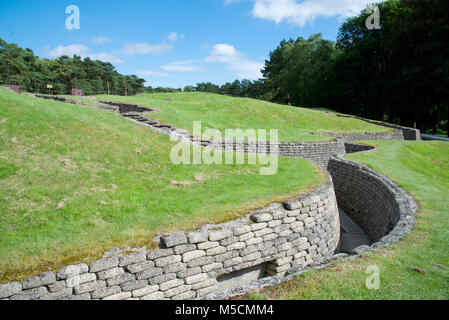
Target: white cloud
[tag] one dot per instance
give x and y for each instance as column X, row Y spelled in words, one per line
column 235, row 61
column 181, row 66
column 71, row 50
column 133, row 49
column 303, row 12
column 223, row 51
column 152, row 73
column 101, row 40
column 106, row 57
column 82, row 51
column 174, row 36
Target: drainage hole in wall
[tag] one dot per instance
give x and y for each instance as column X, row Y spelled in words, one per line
column 238, row 278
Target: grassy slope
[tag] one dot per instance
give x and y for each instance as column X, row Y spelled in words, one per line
column 76, row 180
column 421, row 168
column 223, row 112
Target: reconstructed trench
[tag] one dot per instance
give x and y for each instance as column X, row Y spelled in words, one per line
column 357, row 210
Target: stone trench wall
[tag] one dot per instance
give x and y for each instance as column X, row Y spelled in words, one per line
column 371, row 198
column 407, row 133
column 318, row 152
column 385, row 210
column 294, row 233
column 357, row 147
column 394, row 134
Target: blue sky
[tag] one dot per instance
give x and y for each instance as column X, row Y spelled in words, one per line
column 173, row 43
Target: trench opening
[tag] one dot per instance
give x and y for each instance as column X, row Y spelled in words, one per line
column 127, row 107
column 352, row 234
column 241, row 277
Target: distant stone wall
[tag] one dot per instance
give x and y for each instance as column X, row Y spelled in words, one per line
column 58, row 98
column 349, row 137
column 12, row 87
column 318, row 152
column 127, row 107
column 374, row 201
column 275, row 238
column 408, row 133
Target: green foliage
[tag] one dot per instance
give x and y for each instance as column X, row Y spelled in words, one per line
column 297, row 71
column 162, row 90
column 398, row 73
column 21, row 67
column 207, row 87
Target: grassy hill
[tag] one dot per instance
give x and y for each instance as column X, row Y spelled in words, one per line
column 76, row 180
column 224, row 112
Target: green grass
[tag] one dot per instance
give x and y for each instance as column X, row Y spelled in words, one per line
column 416, row 267
column 75, row 181
column 224, row 112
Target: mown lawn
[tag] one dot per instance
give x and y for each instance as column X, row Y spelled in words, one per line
column 224, row 112
column 414, row 268
column 75, row 181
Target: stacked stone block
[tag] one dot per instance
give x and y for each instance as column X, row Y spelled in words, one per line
column 318, row 152
column 394, row 134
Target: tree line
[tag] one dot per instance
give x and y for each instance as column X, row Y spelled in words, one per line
column 398, row 73
column 22, row 67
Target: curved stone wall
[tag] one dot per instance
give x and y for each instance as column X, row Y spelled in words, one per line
column 386, row 211
column 372, row 199
column 275, row 238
